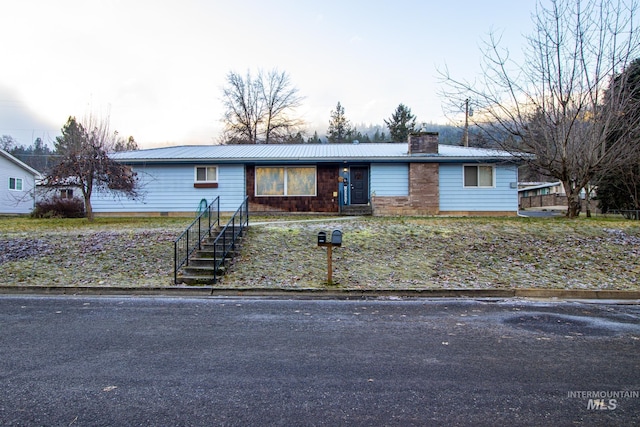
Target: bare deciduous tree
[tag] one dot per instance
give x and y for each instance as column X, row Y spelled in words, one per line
column 280, row 100
column 260, row 109
column 551, row 110
column 84, row 162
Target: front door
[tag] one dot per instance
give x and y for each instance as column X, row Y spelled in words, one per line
column 359, row 177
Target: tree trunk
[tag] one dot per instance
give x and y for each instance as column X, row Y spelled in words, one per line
column 88, row 208
column 573, row 200
column 587, row 200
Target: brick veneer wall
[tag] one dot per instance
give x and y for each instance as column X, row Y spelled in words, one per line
column 324, row 201
column 424, row 182
column 423, row 198
column 423, row 143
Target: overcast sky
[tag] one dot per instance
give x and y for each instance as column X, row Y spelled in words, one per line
column 158, row 66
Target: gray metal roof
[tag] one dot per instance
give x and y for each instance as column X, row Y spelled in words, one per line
column 542, row 185
column 306, row 153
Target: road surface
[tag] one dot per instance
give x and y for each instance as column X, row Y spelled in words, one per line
column 92, row 361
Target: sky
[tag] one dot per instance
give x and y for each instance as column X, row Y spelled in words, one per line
column 156, row 68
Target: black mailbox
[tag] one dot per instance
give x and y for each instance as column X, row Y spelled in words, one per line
column 336, row 238
column 322, row 237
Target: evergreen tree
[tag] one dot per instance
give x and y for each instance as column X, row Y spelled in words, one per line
column 619, row 187
column 128, row 145
column 401, row 124
column 339, row 127
column 314, row 139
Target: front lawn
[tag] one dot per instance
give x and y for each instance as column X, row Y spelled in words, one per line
column 377, row 253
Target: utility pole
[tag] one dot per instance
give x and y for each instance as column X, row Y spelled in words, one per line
column 465, row 137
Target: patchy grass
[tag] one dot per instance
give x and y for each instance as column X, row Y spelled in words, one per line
column 134, row 252
column 422, row 253
column 377, row 253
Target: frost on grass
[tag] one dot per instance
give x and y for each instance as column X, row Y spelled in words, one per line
column 379, row 253
column 130, row 258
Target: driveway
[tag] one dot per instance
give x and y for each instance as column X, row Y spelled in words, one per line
column 541, row 214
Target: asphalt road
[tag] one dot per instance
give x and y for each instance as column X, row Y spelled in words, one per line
column 94, row 361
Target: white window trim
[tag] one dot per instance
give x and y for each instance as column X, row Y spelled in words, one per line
column 195, row 174
column 480, row 187
column 16, row 179
column 315, row 169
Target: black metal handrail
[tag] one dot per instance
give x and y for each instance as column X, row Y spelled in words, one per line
column 238, row 222
column 191, row 238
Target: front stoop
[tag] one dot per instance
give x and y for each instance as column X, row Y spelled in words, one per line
column 200, row 268
column 357, row 210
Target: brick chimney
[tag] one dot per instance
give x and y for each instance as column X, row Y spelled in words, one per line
column 423, row 143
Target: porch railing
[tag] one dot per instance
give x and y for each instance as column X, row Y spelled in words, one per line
column 191, row 239
column 229, row 235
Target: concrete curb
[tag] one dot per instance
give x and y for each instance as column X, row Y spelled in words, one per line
column 208, row 291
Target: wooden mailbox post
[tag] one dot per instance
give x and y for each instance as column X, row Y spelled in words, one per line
column 335, row 240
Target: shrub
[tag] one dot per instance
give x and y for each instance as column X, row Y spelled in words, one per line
column 57, row 207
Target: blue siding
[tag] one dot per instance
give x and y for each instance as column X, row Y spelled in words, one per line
column 455, row 197
column 169, row 188
column 389, row 179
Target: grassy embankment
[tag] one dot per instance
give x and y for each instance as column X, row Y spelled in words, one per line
column 377, row 253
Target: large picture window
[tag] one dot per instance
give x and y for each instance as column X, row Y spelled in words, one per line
column 478, row 176
column 286, row 181
column 15, row 184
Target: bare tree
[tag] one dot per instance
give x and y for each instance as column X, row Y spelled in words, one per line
column 7, row 143
column 280, row 101
column 260, row 109
column 551, row 110
column 243, row 112
column 84, row 162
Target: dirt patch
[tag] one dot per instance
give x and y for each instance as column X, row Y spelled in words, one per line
column 19, row 249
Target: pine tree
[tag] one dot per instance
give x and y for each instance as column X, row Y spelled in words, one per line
column 401, row 124
column 339, row 127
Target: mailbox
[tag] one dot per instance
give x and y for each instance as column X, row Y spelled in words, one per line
column 336, row 238
column 322, row 238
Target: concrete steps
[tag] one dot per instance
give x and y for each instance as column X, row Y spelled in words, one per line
column 357, row 210
column 201, row 268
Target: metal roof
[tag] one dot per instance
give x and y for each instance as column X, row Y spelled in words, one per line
column 297, row 153
column 539, row 186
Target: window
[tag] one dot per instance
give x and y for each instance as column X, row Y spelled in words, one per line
column 206, row 174
column 286, row 181
column 66, row 194
column 15, row 184
column 478, row 176
column 206, row 177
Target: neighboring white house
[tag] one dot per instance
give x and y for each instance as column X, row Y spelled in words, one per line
column 17, row 185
